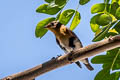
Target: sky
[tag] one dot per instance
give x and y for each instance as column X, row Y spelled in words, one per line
column 21, row 50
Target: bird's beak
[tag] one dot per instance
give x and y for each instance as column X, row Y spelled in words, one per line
column 45, row 26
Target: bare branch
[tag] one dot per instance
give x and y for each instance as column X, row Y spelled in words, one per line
column 88, row 51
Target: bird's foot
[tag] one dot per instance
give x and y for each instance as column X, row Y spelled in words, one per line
column 70, row 57
column 110, row 38
column 56, row 57
column 59, row 55
column 52, row 58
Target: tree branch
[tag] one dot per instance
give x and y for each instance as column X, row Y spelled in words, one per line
column 88, row 51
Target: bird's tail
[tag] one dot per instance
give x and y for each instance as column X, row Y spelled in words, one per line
column 78, row 64
column 87, row 64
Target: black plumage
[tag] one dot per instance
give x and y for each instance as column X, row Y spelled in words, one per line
column 71, row 42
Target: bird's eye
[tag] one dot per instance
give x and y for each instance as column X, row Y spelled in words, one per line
column 52, row 24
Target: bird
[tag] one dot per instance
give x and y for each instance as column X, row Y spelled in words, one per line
column 67, row 40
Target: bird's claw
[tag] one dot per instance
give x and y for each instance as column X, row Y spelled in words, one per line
column 56, row 57
column 110, row 38
column 59, row 55
column 53, row 57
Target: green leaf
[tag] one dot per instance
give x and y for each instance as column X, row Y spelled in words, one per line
column 102, row 75
column 75, row 21
column 107, row 1
column 101, row 59
column 58, row 16
column 93, row 24
column 82, row 2
column 105, row 59
column 105, row 75
column 117, row 27
column 98, row 31
column 49, row 1
column 48, row 9
column 110, row 34
column 118, row 13
column 60, row 2
column 113, row 52
column 110, row 61
column 97, row 8
column 113, row 64
column 118, row 1
column 103, row 33
column 116, row 66
column 66, row 15
column 40, row 30
column 103, row 19
column 114, row 7
column 108, row 66
column 114, row 76
column 115, row 59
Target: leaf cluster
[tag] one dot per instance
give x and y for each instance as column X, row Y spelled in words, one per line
column 106, row 23
column 55, row 7
column 106, row 19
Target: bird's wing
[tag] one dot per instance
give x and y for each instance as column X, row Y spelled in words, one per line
column 75, row 39
column 60, row 45
column 71, row 32
column 71, row 42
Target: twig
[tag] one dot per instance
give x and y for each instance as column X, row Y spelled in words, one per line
column 88, row 51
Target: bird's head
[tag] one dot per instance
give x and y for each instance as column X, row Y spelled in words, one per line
column 53, row 25
column 56, row 27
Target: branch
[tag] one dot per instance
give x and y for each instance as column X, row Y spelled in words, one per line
column 88, row 51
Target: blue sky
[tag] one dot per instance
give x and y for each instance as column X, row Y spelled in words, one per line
column 21, row 50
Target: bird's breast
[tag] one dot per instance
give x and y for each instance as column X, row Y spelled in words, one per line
column 64, row 42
